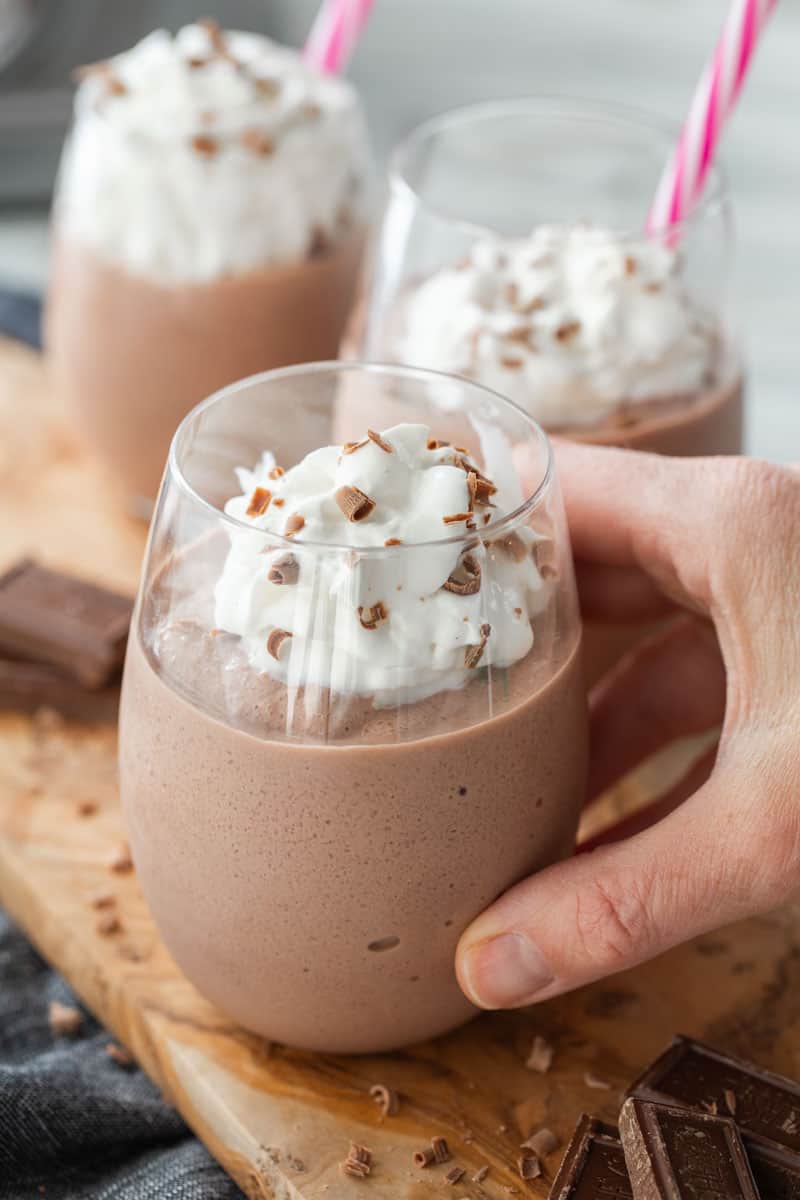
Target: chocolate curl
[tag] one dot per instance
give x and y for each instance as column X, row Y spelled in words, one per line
column 275, row 640
column 354, row 503
column 284, row 570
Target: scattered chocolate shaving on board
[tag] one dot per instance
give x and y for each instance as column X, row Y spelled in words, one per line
column 454, row 1176
column 358, row 1162
column 594, row 1081
column 64, row 1020
column 284, row 570
column 205, row 144
column 87, row 808
column 543, row 1142
column 386, row 1099
column 378, row 440
column 259, row 502
column 354, row 503
column 119, row 1055
column 529, row 1166
column 567, row 331
column 102, row 899
column 276, row 472
column 393, row 542
column 441, row 1150
column 371, row 616
column 466, row 579
column 424, row 1158
column 481, row 1173
column 121, row 862
column 540, row 1057
column 730, row 1101
column 294, row 523
column 257, row 141
column 473, row 654
column 275, row 640
column 351, row 447
column 454, row 518
column 108, row 924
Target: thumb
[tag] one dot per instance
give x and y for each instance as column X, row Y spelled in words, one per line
column 605, row 911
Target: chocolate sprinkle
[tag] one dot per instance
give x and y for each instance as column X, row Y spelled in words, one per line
column 259, row 502
column 275, row 640
column 386, row 1098
column 371, row 616
column 378, row 440
column 473, row 654
column 284, row 570
column 351, row 447
column 354, row 503
column 466, row 579
column 358, row 1162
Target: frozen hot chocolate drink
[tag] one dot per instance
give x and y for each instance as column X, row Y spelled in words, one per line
column 208, row 224
column 353, row 715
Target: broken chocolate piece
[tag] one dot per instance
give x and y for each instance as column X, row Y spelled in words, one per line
column 284, row 570
column 63, row 622
column 473, row 654
column 354, row 503
column 466, row 579
column 674, row 1152
column 693, row 1074
column 593, row 1165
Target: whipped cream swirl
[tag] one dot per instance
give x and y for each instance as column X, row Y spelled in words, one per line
column 571, row 323
column 415, row 618
column 209, row 153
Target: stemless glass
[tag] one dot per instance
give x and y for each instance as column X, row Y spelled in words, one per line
column 498, row 170
column 315, row 818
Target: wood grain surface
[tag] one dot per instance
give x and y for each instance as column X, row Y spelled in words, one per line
column 281, row 1120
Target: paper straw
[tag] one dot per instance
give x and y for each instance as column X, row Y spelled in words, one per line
column 335, row 33
column 713, row 100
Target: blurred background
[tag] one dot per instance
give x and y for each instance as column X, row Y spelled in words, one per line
column 419, row 57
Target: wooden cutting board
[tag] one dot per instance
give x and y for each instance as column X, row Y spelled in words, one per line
column 281, row 1120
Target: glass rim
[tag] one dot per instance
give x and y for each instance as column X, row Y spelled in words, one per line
column 589, row 110
column 490, row 532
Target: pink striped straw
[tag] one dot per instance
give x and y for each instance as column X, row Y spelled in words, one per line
column 716, row 94
column 335, row 33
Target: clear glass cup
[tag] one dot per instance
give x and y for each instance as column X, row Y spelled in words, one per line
column 629, row 345
column 140, row 331
column 315, row 818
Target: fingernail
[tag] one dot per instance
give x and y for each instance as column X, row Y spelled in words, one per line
column 504, row 972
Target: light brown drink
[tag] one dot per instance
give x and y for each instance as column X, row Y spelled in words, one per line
column 132, row 356
column 316, row 893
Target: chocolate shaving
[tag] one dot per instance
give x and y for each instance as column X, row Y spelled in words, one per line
column 472, row 488
column 529, row 1166
column 481, row 1173
column 358, row 1162
column 284, row 570
column 454, row 518
column 294, row 523
column 386, row 1098
column 276, row 472
column 108, row 925
column 354, row 503
column 466, row 579
column 393, row 542
column 567, row 331
column 532, row 306
column 730, row 1101
column 512, row 294
column 594, row 1081
column 351, row 447
column 258, row 142
column 454, row 1176
column 259, row 502
column 275, row 640
column 121, row 862
column 441, row 1150
column 542, row 1143
column 64, row 1020
column 205, row 144
column 473, row 654
column 119, row 1055
column 378, row 440
column 371, row 616
column 484, row 490
column 424, row 1158
column 540, row 1057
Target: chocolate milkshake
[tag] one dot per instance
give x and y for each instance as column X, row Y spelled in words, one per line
column 208, row 224
column 345, row 731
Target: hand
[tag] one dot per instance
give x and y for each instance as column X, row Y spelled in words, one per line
column 719, row 539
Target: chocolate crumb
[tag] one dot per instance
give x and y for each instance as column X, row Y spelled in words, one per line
column 119, row 1055
column 294, row 523
column 386, row 1099
column 354, row 504
column 87, row 808
column 567, row 331
column 481, row 1173
column 108, row 924
column 594, row 1081
column 284, row 570
column 730, row 1101
column 473, row 654
column 466, row 579
column 259, row 502
column 393, row 542
column 529, row 1166
column 121, row 862
column 205, row 144
column 358, row 1162
column 542, row 1143
column 257, row 141
column 378, row 440
column 370, row 617
column 64, row 1020
column 275, row 640
column 276, row 472
column 441, row 1150
column 454, row 1176
column 424, row 1157
column 102, row 899
column 540, row 1057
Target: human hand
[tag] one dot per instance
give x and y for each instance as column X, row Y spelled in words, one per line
column 719, row 539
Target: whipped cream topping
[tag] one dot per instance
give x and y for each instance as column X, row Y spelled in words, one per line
column 398, row 625
column 208, row 153
column 571, row 323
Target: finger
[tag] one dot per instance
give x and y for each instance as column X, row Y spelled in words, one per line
column 715, row 859
column 671, row 686
column 650, row 814
column 619, row 594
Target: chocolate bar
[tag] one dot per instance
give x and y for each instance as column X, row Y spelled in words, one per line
column 27, row 687
column 63, row 622
column 766, row 1106
column 593, row 1165
column 673, row 1152
column 777, row 1172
